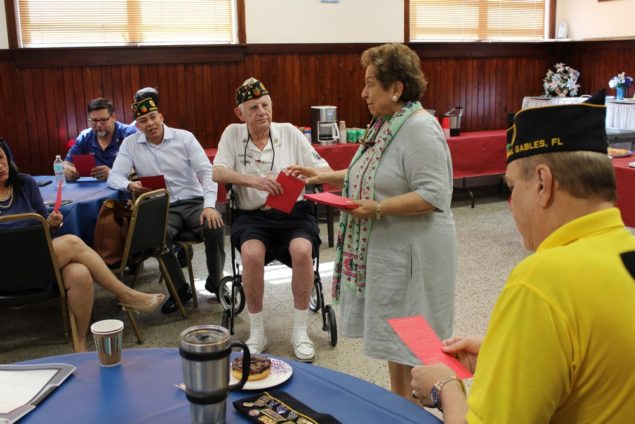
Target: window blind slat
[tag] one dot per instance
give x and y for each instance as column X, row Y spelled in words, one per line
column 477, row 20
column 56, row 23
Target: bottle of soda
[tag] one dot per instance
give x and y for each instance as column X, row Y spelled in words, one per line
column 58, row 170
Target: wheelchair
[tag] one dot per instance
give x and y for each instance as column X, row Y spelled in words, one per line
column 231, row 294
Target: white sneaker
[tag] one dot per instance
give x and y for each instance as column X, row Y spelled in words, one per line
column 303, row 347
column 257, row 343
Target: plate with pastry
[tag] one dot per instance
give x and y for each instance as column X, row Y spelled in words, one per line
column 263, row 372
column 619, row 153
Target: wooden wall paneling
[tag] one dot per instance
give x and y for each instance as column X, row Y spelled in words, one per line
column 231, row 78
column 297, row 88
column 50, row 143
column 190, row 92
column 470, row 106
column 177, row 94
column 199, row 101
column 7, row 104
column 12, row 124
column 48, row 100
column 60, row 110
column 79, row 99
column 31, row 156
column 160, row 76
column 313, row 80
column 5, row 95
column 119, row 90
column 105, row 82
column 210, row 106
column 127, row 97
column 431, row 71
column 72, row 118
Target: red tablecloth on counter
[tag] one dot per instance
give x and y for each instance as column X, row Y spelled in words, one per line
column 625, row 179
column 474, row 154
column 478, row 153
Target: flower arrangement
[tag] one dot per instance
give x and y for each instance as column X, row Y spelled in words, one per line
column 562, row 82
column 621, row 80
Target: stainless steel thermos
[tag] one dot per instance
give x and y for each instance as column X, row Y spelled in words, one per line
column 205, row 356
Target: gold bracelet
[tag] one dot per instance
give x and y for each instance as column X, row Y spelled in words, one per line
column 378, row 211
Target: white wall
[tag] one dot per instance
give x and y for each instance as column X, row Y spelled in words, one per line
column 369, row 21
column 588, row 19
column 4, row 40
column 310, row 21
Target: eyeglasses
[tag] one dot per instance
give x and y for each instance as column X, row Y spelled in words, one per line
column 99, row 121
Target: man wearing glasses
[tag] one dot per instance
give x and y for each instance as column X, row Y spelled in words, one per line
column 102, row 139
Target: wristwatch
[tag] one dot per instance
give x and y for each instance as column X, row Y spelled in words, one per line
column 435, row 392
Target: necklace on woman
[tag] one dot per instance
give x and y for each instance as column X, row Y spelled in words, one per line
column 7, row 198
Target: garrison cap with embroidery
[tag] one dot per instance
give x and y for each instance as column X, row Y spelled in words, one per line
column 250, row 90
column 144, row 106
column 561, row 128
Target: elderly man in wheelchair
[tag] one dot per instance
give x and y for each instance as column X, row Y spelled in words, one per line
column 250, row 156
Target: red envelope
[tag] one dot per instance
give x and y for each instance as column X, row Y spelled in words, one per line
column 84, row 164
column 58, row 199
column 330, row 199
column 153, row 182
column 421, row 339
column 292, row 187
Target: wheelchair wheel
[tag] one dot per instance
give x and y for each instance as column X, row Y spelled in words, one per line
column 225, row 293
column 332, row 324
column 314, row 300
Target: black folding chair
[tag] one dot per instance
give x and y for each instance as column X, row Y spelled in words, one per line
column 146, row 238
column 30, row 273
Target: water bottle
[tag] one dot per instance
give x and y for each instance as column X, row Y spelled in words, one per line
column 58, row 170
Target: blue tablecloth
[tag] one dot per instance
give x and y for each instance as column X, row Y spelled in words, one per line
column 141, row 390
column 86, row 197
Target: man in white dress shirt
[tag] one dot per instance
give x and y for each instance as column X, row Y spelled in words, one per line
column 177, row 155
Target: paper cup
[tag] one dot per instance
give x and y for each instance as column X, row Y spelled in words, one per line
column 108, row 336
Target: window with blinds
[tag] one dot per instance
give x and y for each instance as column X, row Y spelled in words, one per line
column 470, row 20
column 69, row 23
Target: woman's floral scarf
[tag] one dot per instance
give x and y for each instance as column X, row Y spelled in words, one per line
column 352, row 239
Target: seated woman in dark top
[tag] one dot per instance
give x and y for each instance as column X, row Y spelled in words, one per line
column 80, row 265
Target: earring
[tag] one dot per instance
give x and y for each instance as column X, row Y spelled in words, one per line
column 394, row 98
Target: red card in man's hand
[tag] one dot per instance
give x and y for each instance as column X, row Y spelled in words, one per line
column 291, row 187
column 331, row 199
column 153, row 182
column 84, row 164
column 421, row 339
column 58, row 199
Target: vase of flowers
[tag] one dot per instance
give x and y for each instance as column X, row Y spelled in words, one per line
column 620, row 83
column 562, row 81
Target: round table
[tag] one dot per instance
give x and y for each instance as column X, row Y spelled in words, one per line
column 142, row 390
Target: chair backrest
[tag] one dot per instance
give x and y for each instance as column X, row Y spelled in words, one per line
column 26, row 255
column 148, row 225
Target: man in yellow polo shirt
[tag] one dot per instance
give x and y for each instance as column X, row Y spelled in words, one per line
column 560, row 346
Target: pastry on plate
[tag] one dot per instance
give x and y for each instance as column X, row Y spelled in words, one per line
column 259, row 368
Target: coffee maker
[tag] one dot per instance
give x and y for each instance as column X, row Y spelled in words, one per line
column 324, row 124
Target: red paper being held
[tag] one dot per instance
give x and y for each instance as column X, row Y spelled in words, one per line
column 153, row 182
column 84, row 164
column 331, row 199
column 421, row 339
column 292, row 187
